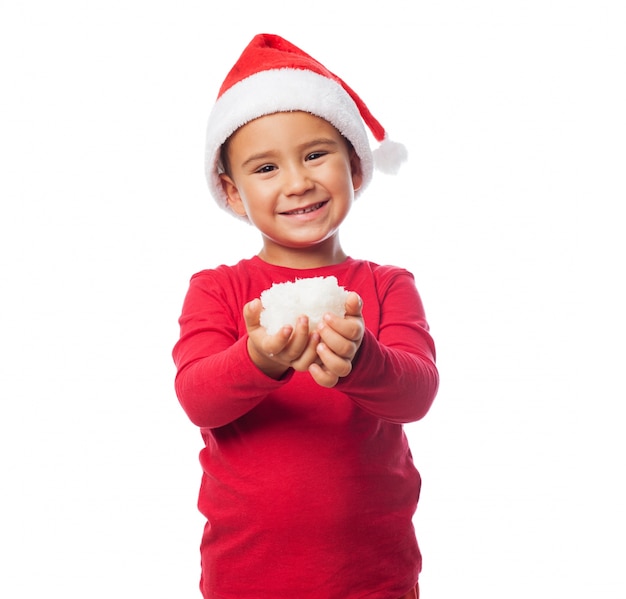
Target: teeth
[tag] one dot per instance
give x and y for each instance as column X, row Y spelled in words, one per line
column 305, row 210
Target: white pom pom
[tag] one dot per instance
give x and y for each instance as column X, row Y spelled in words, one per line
column 283, row 303
column 389, row 156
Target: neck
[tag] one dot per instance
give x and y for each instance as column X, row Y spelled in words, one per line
column 317, row 256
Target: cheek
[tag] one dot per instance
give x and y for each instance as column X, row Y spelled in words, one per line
column 256, row 205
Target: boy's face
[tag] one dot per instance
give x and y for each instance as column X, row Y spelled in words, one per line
column 294, row 176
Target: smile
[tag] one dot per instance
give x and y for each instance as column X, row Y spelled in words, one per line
column 306, row 210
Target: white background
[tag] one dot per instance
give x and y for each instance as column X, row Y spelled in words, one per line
column 510, row 215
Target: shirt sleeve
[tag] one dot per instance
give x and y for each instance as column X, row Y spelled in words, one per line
column 216, row 381
column 394, row 375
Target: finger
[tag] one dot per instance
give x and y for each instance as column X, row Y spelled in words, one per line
column 322, row 377
column 298, row 339
column 332, row 362
column 252, row 314
column 308, row 356
column 338, row 342
column 261, row 346
column 350, row 327
column 263, row 349
column 354, row 304
column 274, row 345
column 288, row 344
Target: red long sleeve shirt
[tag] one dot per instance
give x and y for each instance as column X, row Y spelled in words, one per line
column 308, row 492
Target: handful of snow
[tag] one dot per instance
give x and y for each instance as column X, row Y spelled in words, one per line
column 283, row 303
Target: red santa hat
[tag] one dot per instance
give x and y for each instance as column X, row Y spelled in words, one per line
column 272, row 75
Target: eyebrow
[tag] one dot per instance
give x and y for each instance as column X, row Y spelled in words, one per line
column 255, row 157
column 320, row 141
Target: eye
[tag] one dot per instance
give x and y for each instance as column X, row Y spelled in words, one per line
column 315, row 155
column 266, row 168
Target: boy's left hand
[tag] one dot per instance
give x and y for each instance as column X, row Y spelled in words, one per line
column 340, row 341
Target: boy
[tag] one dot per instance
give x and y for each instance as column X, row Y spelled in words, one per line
column 308, row 485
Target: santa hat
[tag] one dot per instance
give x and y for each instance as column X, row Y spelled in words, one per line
column 272, row 75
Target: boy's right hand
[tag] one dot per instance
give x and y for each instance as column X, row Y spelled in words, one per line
column 289, row 348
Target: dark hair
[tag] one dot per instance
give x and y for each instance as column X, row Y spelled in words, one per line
column 224, row 164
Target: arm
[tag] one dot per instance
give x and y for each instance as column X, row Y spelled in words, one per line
column 216, row 380
column 394, row 376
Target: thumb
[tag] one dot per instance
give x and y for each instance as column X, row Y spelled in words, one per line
column 354, row 303
column 252, row 314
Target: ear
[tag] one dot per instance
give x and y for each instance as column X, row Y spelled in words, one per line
column 232, row 194
column 357, row 171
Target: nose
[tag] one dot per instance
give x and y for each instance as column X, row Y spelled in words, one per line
column 297, row 180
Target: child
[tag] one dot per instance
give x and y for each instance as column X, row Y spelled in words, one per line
column 308, row 484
